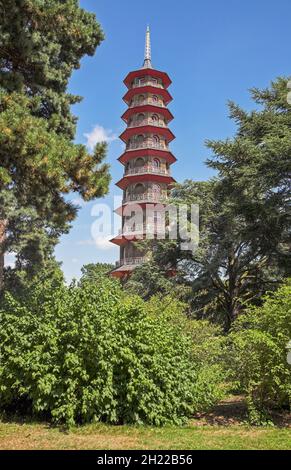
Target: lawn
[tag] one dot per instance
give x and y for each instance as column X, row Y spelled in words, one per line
column 15, row 435
column 221, row 428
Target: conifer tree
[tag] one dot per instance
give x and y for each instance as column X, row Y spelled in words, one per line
column 41, row 44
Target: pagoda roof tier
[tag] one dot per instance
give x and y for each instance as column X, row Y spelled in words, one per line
column 130, row 154
column 126, row 270
column 157, row 178
column 148, row 89
column 121, row 240
column 148, row 108
column 147, row 129
column 149, row 73
column 142, row 204
column 122, row 271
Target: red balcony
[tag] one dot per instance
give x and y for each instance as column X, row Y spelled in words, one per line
column 155, row 177
column 147, row 129
column 147, row 169
column 148, row 89
column 149, row 73
column 147, row 108
column 147, row 151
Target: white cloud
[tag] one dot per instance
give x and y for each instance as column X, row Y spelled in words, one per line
column 99, row 134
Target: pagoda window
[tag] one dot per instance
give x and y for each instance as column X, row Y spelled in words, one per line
column 156, row 163
column 140, row 99
column 139, row 188
column 140, row 139
column 155, row 119
column 140, row 118
column 139, row 162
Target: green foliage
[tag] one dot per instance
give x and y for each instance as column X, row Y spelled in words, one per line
column 42, row 43
column 244, row 246
column 39, row 167
column 257, row 355
column 87, row 353
column 95, row 272
column 254, row 171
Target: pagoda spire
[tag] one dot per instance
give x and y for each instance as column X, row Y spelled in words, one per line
column 147, row 63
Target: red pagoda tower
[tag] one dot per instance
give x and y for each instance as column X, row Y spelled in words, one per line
column 147, row 159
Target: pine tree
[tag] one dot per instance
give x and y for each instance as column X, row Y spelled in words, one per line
column 41, row 43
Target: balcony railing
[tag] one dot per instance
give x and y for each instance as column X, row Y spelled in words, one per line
column 131, row 261
column 142, row 228
column 147, row 122
column 148, row 196
column 147, row 83
column 134, row 104
column 146, row 145
column 146, row 169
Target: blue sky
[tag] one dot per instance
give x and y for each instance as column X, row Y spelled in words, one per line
column 213, row 51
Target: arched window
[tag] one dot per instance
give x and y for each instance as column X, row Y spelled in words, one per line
column 141, row 81
column 140, row 139
column 139, row 163
column 140, row 118
column 140, row 99
column 155, row 99
column 156, row 163
column 155, row 119
column 139, row 189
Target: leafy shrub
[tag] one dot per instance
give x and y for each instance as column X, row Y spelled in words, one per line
column 257, row 354
column 88, row 353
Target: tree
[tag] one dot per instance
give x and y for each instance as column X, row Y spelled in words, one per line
column 257, row 357
column 224, row 272
column 38, row 169
column 244, row 247
column 94, row 273
column 42, row 42
column 255, row 171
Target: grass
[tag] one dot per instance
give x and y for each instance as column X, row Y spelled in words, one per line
column 36, row 436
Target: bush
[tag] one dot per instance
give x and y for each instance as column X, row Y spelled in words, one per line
column 257, row 354
column 88, row 353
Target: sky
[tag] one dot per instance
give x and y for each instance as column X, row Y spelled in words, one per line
column 213, row 50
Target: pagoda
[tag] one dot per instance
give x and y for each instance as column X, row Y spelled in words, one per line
column 147, row 160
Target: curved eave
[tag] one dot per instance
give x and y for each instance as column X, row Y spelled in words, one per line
column 131, row 179
column 121, row 240
column 148, row 89
column 122, row 272
column 131, row 131
column 130, row 154
column 142, row 204
column 147, row 108
column 147, row 72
